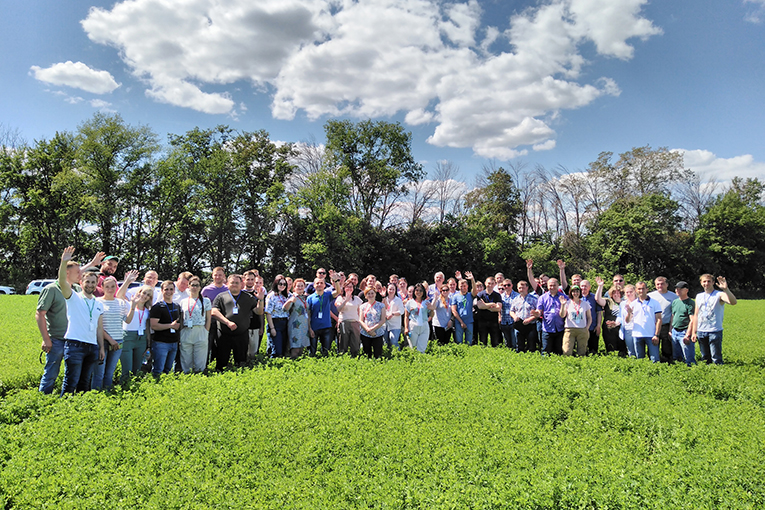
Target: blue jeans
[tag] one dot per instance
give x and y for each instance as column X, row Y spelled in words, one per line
column 323, row 335
column 164, row 357
column 681, row 351
column 103, row 373
column 508, row 333
column 463, row 334
column 552, row 343
column 53, row 361
column 654, row 352
column 80, row 358
column 391, row 337
column 710, row 345
column 630, row 343
column 276, row 344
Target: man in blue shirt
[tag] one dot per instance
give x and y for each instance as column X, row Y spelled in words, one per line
column 320, row 327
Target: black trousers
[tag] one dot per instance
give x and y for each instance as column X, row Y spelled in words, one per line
column 372, row 346
column 228, row 343
column 489, row 328
column 443, row 335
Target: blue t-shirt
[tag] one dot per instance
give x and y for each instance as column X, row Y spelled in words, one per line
column 464, row 306
column 594, row 309
column 319, row 305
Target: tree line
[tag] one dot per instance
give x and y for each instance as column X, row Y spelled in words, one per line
column 237, row 199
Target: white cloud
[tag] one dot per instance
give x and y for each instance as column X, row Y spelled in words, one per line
column 757, row 14
column 709, row 166
column 76, row 75
column 425, row 58
column 100, row 104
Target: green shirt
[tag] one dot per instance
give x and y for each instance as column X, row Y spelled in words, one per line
column 681, row 313
column 52, row 302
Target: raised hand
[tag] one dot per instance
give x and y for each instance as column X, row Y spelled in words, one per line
column 599, row 281
column 68, row 254
column 722, row 282
column 562, row 299
column 529, row 263
column 561, row 264
column 469, row 275
column 458, row 275
column 130, row 277
column 97, row 259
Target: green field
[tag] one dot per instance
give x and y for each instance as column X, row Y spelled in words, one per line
column 456, row 428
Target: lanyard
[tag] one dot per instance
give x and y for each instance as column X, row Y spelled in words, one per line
column 236, row 301
column 141, row 313
column 90, row 308
column 170, row 310
column 191, row 308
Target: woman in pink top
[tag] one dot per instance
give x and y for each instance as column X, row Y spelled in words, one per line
column 348, row 321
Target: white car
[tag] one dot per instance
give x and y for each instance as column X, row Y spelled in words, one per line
column 7, row 290
column 36, row 286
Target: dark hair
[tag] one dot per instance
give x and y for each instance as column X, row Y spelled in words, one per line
column 422, row 288
column 275, row 286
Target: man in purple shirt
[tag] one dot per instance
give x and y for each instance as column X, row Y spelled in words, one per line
column 552, row 323
column 211, row 292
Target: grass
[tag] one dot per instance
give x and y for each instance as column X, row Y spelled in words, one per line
column 457, row 428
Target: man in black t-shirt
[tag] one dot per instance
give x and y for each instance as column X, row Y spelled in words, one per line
column 232, row 310
column 489, row 304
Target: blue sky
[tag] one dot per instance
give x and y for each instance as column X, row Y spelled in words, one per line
column 550, row 83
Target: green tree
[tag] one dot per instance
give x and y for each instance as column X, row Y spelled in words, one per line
column 109, row 152
column 731, row 236
column 42, row 207
column 638, row 172
column 377, row 158
column 636, row 235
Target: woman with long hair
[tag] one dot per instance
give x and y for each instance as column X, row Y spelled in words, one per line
column 136, row 332
column 394, row 309
column 416, row 328
column 196, row 312
column 611, row 317
column 578, row 317
column 298, row 323
column 442, row 320
column 372, row 321
column 348, row 321
column 277, row 317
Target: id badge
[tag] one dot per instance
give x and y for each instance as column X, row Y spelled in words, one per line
column 141, row 332
column 320, row 315
column 172, row 330
column 187, row 323
column 92, row 327
column 235, row 310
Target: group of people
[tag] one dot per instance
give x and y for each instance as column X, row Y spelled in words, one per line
column 183, row 326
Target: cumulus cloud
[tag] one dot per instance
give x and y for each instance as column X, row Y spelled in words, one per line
column 100, row 104
column 429, row 59
column 757, row 13
column 76, row 75
column 709, row 166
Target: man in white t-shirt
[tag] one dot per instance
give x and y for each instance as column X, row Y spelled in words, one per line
column 665, row 297
column 646, row 316
column 84, row 336
column 708, row 320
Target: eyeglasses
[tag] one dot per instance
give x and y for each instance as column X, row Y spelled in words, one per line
column 194, row 285
column 281, row 283
column 508, row 286
column 321, row 272
column 444, row 290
